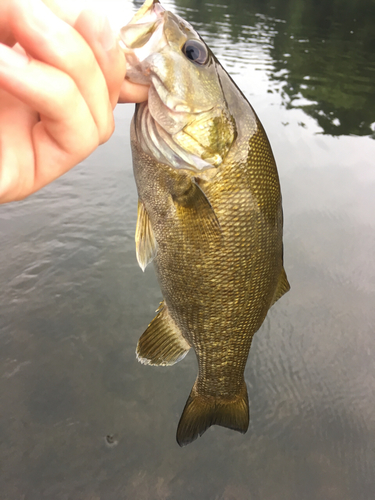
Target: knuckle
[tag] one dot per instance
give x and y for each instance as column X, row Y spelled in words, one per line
column 13, row 185
column 68, row 95
column 107, row 127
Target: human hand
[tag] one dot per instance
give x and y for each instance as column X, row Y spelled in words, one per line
column 58, row 86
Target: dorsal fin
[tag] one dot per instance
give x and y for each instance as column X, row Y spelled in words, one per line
column 282, row 286
column 162, row 343
column 145, row 242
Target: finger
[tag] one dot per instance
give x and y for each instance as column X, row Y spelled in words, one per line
column 6, row 35
column 133, row 92
column 52, row 93
column 67, row 10
column 52, row 41
column 98, row 34
column 66, row 132
column 96, row 31
column 16, row 122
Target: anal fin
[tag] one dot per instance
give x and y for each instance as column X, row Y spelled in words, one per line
column 145, row 242
column 162, row 343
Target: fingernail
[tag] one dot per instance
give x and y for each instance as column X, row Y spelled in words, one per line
column 107, row 37
column 12, row 58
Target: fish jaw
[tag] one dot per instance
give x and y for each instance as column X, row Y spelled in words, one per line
column 142, row 36
column 149, row 8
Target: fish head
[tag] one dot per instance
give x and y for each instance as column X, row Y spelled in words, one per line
column 186, row 99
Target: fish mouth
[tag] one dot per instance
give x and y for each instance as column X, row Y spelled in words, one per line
column 141, row 37
column 137, row 34
column 150, row 7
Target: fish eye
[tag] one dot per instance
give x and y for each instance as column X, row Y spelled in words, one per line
column 196, row 51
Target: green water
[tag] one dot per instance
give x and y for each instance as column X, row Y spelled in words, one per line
column 80, row 419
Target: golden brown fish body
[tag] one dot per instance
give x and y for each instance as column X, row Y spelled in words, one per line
column 210, row 217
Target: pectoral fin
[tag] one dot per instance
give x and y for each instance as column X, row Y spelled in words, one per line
column 162, row 343
column 145, row 242
column 282, row 286
column 193, row 202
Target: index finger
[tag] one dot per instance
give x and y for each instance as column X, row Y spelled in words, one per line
column 66, row 10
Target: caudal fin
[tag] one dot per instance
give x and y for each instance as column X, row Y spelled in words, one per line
column 201, row 412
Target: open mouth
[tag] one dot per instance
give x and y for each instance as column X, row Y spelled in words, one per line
column 142, row 35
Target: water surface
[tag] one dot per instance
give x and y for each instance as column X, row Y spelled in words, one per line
column 80, row 419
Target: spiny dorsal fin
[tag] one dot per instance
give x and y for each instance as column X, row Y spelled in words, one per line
column 282, row 286
column 162, row 343
column 145, row 242
column 195, row 200
column 201, row 412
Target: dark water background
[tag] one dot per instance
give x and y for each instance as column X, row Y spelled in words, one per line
column 74, row 302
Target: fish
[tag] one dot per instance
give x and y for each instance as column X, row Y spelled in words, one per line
column 209, row 215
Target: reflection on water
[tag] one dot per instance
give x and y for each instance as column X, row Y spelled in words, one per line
column 81, row 419
column 323, row 54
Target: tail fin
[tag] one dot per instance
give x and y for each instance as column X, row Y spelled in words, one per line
column 201, row 412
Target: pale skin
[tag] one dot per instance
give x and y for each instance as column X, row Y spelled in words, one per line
column 62, row 73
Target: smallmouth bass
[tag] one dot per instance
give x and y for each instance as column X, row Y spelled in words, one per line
column 209, row 215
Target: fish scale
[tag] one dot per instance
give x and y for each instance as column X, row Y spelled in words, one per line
column 213, row 231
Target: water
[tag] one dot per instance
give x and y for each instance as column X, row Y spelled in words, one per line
column 80, row 418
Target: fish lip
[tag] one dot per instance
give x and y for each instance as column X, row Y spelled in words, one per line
column 151, row 12
column 152, row 7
